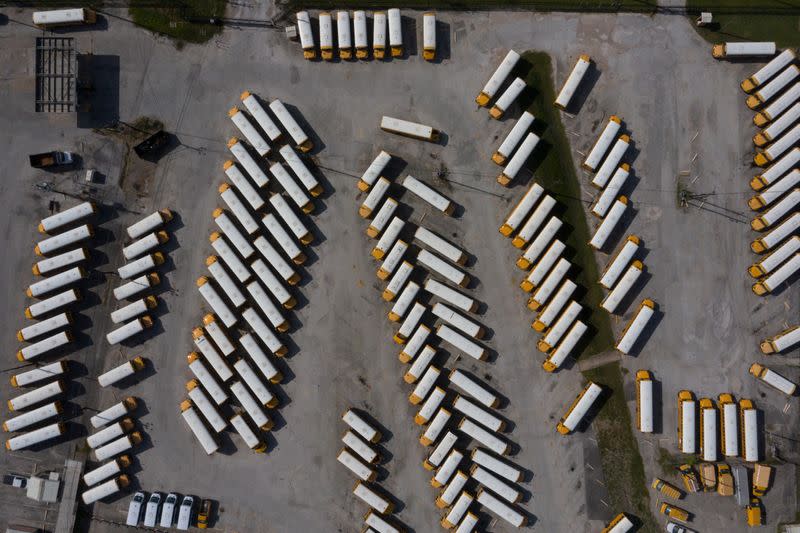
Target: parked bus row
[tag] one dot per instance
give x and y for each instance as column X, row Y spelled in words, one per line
column 353, row 41
column 448, row 406
column 496, row 81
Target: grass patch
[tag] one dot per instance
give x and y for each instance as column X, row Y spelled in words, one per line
column 623, row 468
column 185, row 22
column 637, row 6
column 552, row 161
column 749, row 20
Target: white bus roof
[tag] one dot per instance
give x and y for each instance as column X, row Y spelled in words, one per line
column 420, row 363
column 612, row 161
column 515, row 136
column 58, row 16
column 618, row 263
column 783, row 230
column 473, row 388
column 250, row 405
column 249, row 131
column 372, row 498
column 750, row 48
column 709, row 421
column 457, row 320
column 299, row 168
column 428, row 31
column 559, row 328
column 645, row 405
column 501, row 468
column 510, row 94
column 573, row 80
column 208, row 381
column 406, row 298
column 784, row 183
column 750, row 430
column 602, row 144
column 344, row 36
column 389, row 236
column 208, row 410
column 458, row 341
column 395, row 27
column 379, row 30
column 360, row 29
column 374, row 197
column 441, row 267
column 288, row 121
column 567, row 344
column 635, row 328
column 263, row 332
column 588, row 397
column 259, row 358
column 325, row 31
column 501, row 73
column 68, row 216
column 443, row 292
column 688, row 416
column 246, row 160
column 495, row 484
column 241, row 426
column 416, row 342
column 787, row 339
column 438, row 423
column 383, row 215
column 361, row 471
column 442, row 449
column 551, row 310
column 521, row 155
column 478, row 414
column 542, row 240
column 375, row 168
column 440, row 245
column 522, row 208
column 504, row 511
column 535, row 221
column 551, row 255
column 229, row 288
column 453, row 489
column 552, row 280
column 777, row 83
column 406, row 127
column 730, row 425
column 780, row 104
column 281, row 266
column 609, row 223
column 620, row 290
column 202, row 434
column 116, row 374
column 238, row 209
column 600, row 208
column 284, row 240
column 774, row 66
column 304, row 30
column 45, row 345
column 448, row 467
column 298, row 196
column 431, row 404
column 257, row 111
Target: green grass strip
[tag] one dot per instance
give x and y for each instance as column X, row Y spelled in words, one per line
column 552, row 161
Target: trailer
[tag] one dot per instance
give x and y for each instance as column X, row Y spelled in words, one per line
column 41, row 347
column 250, row 132
column 68, row 216
column 139, row 266
column 29, row 418
column 118, row 373
column 429, row 36
column 60, row 240
column 507, row 98
column 410, row 129
column 306, row 35
column 497, row 78
column 256, row 110
column 745, row 49
column 518, row 160
column 573, row 80
column 129, row 330
column 300, row 138
column 200, row 431
column 149, row 223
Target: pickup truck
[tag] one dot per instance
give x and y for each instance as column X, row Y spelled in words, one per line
column 55, row 158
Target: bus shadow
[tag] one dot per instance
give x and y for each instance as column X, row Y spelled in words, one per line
column 319, row 145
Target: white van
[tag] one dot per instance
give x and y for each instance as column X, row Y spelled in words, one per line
column 151, row 511
column 185, row 513
column 168, row 510
column 135, row 509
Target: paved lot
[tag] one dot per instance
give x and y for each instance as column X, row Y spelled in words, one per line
column 654, row 71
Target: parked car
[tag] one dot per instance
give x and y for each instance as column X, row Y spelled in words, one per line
column 672, row 527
